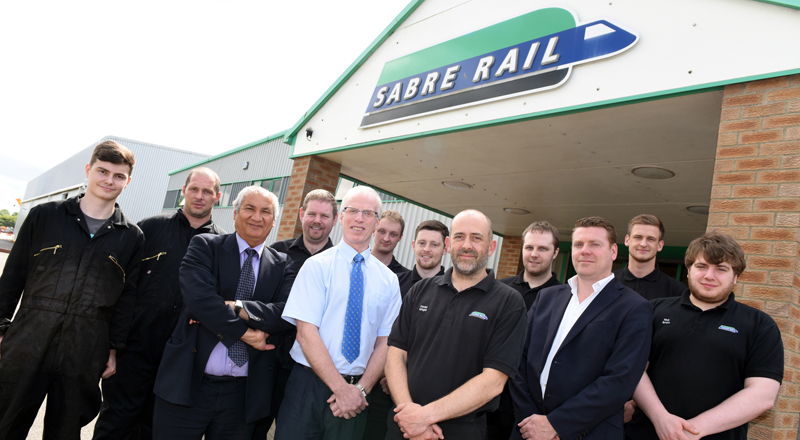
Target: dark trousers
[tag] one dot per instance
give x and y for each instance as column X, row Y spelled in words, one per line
column 128, row 399
column 464, row 428
column 218, row 413
column 500, row 422
column 263, row 426
column 306, row 415
column 380, row 405
column 72, row 402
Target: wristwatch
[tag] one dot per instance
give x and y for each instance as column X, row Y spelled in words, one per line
column 238, row 306
column 361, row 387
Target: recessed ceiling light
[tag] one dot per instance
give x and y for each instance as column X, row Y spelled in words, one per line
column 456, row 184
column 698, row 209
column 657, row 173
column 517, row 211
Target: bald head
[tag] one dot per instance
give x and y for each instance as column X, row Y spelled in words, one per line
column 472, row 216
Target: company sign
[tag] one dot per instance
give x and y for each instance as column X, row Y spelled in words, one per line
column 526, row 54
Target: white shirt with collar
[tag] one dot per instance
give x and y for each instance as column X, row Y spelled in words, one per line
column 319, row 297
column 574, row 311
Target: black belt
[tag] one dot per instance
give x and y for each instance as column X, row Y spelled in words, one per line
column 223, row 378
column 347, row 378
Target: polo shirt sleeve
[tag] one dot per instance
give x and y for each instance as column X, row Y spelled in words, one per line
column 307, row 298
column 504, row 351
column 401, row 329
column 765, row 356
column 392, row 309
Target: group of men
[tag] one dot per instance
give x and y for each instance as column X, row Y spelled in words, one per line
column 196, row 332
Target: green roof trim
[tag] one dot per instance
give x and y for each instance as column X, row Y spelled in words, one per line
column 793, row 4
column 230, row 152
column 653, row 96
column 291, row 133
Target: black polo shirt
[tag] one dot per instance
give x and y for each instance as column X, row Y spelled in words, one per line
column 296, row 249
column 451, row 336
column 408, row 279
column 700, row 358
column 528, row 294
column 396, row 267
column 654, row 285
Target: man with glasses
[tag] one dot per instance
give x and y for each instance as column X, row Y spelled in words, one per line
column 343, row 303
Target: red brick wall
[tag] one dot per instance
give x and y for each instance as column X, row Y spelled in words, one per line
column 308, row 173
column 756, row 198
column 510, row 256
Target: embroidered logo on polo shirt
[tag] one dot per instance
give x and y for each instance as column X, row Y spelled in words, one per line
column 665, row 321
column 423, row 308
column 728, row 329
column 479, row 315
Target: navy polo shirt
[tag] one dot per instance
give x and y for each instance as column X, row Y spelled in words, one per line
column 654, row 285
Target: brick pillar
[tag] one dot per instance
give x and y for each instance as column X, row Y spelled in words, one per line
column 756, row 198
column 308, row 173
column 510, row 255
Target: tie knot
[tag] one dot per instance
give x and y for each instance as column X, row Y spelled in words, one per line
column 358, row 258
column 250, row 252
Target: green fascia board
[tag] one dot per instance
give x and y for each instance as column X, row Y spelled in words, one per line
column 291, row 134
column 793, row 4
column 230, row 152
column 653, row 96
column 403, row 199
column 526, row 27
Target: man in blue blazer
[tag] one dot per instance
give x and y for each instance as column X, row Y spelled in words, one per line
column 218, row 370
column 586, row 347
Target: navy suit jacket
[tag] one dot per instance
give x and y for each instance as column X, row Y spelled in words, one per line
column 209, row 276
column 596, row 368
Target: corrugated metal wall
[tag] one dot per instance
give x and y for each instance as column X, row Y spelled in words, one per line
column 143, row 197
column 267, row 160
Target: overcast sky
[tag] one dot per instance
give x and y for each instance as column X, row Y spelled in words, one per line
column 200, row 75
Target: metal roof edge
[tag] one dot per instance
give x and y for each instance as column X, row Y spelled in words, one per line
column 269, row 138
column 404, row 14
column 178, row 150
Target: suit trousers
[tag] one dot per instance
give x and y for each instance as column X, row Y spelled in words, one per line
column 306, row 415
column 218, row 413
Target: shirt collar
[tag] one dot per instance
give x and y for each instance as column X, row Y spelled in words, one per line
column 243, row 245
column 182, row 218
column 484, row 284
column 73, row 207
column 728, row 304
column 415, row 276
column 520, row 280
column 349, row 253
column 627, row 275
column 597, row 287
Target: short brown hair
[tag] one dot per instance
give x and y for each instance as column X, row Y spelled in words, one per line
column 598, row 222
column 544, row 228
column 648, row 220
column 395, row 216
column 716, row 247
column 207, row 171
column 110, row 151
column 432, row 225
column 322, row 196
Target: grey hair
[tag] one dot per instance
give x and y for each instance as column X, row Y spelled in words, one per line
column 257, row 190
column 365, row 191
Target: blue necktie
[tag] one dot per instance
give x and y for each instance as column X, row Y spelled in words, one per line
column 352, row 319
column 244, row 291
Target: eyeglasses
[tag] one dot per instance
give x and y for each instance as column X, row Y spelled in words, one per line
column 367, row 213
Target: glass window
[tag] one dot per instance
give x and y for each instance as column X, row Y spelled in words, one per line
column 235, row 188
column 226, row 192
column 170, row 201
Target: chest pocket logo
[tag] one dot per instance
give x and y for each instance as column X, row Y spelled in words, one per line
column 479, row 315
